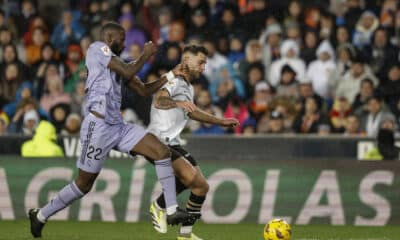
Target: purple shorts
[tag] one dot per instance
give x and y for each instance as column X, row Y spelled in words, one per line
column 98, row 138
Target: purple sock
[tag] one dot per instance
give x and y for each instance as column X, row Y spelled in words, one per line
column 166, row 176
column 64, row 198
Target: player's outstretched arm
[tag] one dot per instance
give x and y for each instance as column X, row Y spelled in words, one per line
column 129, row 70
column 204, row 117
column 145, row 89
column 163, row 100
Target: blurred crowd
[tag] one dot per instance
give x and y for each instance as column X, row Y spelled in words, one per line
column 279, row 66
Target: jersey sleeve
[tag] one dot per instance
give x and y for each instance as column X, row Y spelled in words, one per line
column 171, row 86
column 99, row 55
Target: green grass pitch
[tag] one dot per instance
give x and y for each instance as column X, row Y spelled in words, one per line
column 60, row 230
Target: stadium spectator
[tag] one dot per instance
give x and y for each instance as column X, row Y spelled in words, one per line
column 75, row 68
column 236, row 53
column 371, row 120
column 352, row 14
column 310, row 119
column 306, row 90
column 345, row 54
column 43, row 143
column 199, row 23
column 381, row 53
column 353, row 127
column 260, row 102
column 226, row 86
column 230, row 21
column 288, row 85
column 342, row 36
column 68, row 31
column 54, row 93
column 10, row 80
column 286, row 107
column 391, row 87
column 364, row 29
column 133, row 34
column 249, row 127
column 36, row 22
column 25, row 91
column 294, row 13
column 365, row 93
column 72, row 125
column 308, row 51
column 254, row 75
column 253, row 54
column 10, row 55
column 276, row 123
column 28, row 12
column 4, row 121
column 58, row 115
column 386, row 140
column 349, row 86
column 33, row 50
column 25, row 120
column 256, row 18
column 319, row 70
column 215, row 61
column 270, row 41
column 159, row 34
column 92, row 18
column 289, row 55
column 338, row 115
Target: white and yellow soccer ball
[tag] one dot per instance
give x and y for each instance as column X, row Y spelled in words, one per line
column 277, row 229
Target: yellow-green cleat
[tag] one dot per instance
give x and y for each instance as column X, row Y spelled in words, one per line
column 159, row 218
column 192, row 237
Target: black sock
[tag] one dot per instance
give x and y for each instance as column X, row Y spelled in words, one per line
column 179, row 188
column 193, row 206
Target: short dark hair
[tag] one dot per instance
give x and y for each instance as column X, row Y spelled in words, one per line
column 110, row 26
column 369, row 81
column 195, row 49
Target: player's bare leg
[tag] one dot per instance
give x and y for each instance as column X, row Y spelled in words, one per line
column 152, row 148
column 191, row 177
column 75, row 190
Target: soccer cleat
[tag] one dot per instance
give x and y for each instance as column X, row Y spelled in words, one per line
column 159, row 218
column 191, row 237
column 36, row 225
column 180, row 216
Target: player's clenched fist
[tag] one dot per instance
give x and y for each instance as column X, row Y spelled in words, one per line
column 230, row 122
column 149, row 49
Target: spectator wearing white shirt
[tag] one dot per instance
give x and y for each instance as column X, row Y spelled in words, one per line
column 289, row 55
column 215, row 61
column 319, row 70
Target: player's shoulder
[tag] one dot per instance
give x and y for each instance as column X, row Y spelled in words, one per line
column 100, row 47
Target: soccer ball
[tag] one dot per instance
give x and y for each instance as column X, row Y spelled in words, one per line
column 277, row 229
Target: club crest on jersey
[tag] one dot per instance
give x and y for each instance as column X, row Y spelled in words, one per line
column 106, row 50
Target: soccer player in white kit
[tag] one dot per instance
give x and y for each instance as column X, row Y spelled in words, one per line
column 171, row 108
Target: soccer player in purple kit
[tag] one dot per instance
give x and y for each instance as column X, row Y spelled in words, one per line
column 103, row 128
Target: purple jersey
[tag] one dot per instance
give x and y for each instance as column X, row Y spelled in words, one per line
column 103, row 89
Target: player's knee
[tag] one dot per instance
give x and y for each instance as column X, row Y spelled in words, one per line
column 84, row 185
column 204, row 186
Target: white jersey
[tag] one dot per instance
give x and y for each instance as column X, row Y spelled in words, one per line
column 168, row 124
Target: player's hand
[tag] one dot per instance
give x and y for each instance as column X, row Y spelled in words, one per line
column 149, row 49
column 230, row 122
column 181, row 71
column 187, row 106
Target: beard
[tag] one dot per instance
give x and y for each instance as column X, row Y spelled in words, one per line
column 117, row 49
